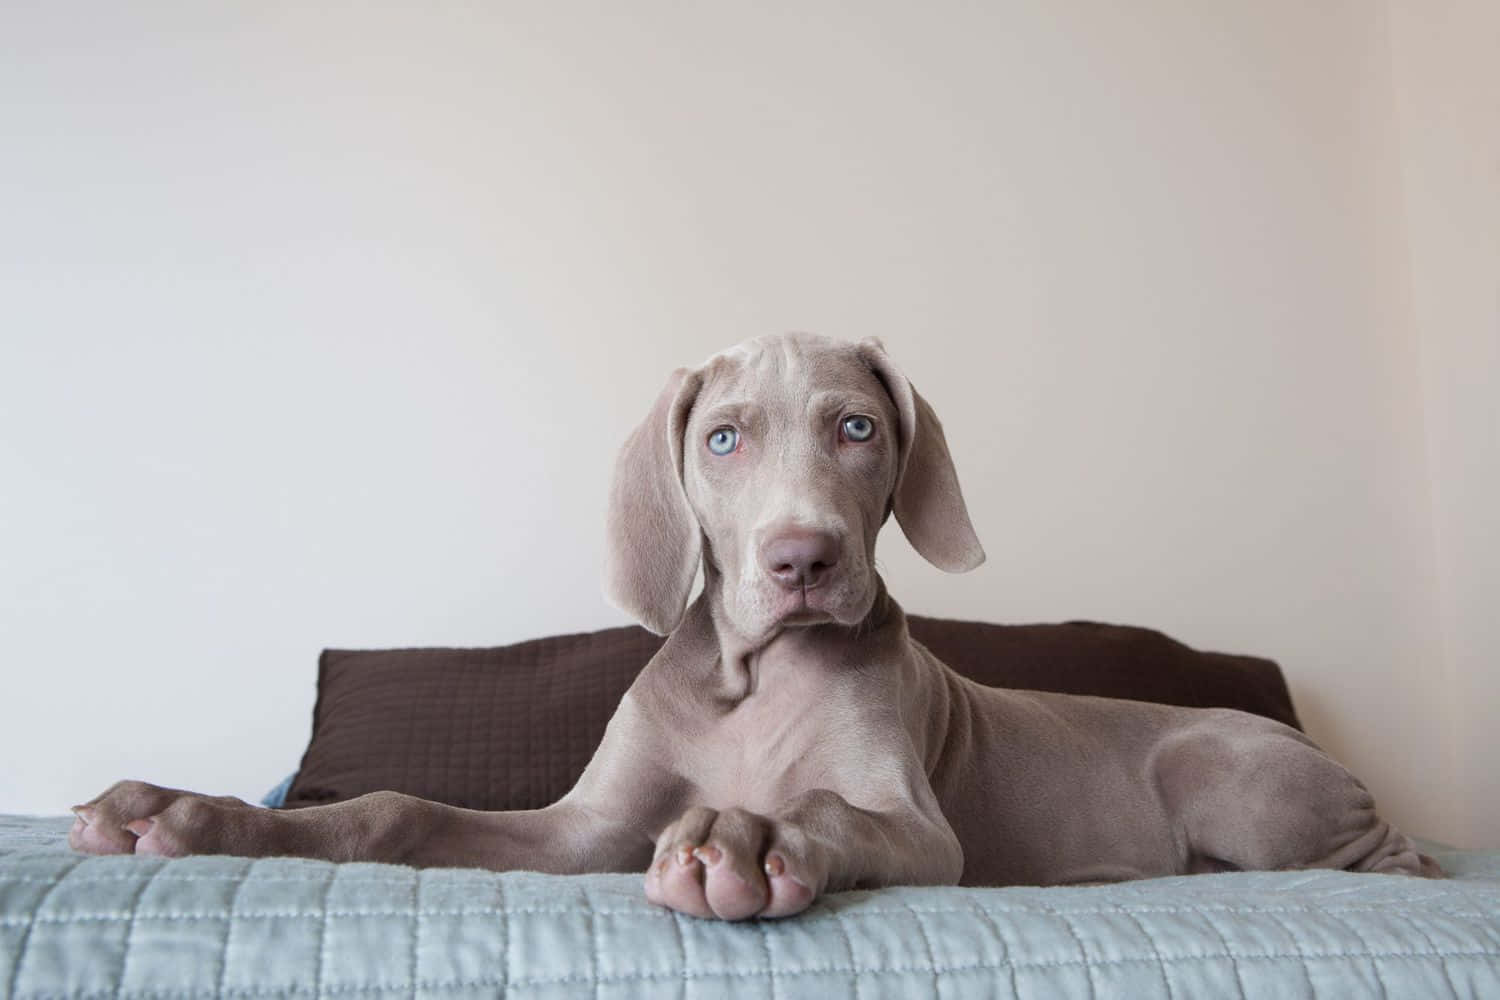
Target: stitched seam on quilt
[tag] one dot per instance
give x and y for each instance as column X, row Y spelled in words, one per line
column 1083, row 953
column 229, row 931
column 1385, row 991
column 838, row 917
column 686, row 974
column 937, row 982
column 506, row 939
column 1487, row 923
column 25, row 942
column 1155, row 950
column 1432, row 943
column 597, row 956
column 135, row 909
column 416, row 931
column 765, row 945
column 1479, row 952
column 1234, row 962
column 1312, row 990
column 333, row 876
column 1005, row 958
column 676, row 919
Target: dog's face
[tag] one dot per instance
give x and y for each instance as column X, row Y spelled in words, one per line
column 778, row 461
column 789, row 462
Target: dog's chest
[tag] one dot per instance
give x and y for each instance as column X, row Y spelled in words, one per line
column 793, row 732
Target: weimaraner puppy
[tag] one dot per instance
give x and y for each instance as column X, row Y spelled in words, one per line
column 791, row 738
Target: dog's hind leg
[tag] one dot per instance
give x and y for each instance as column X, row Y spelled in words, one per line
column 1252, row 794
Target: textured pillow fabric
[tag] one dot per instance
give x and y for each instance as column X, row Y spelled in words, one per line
column 513, row 727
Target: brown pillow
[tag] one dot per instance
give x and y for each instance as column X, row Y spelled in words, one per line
column 513, row 727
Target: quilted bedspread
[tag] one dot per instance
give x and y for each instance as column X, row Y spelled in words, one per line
column 81, row 927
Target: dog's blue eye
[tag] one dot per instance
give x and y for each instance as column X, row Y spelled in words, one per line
column 723, row 441
column 859, row 428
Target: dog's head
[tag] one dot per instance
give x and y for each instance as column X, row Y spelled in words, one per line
column 777, row 462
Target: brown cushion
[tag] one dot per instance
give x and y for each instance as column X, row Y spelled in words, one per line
column 513, row 727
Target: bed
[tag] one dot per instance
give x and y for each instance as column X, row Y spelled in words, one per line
column 82, row 927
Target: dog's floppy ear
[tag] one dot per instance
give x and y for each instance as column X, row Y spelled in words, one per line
column 928, row 504
column 653, row 540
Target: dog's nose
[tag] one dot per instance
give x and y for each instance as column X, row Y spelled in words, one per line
column 797, row 557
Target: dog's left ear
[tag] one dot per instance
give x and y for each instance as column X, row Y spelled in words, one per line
column 928, row 504
column 653, row 541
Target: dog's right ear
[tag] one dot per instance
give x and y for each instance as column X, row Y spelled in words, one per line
column 653, row 539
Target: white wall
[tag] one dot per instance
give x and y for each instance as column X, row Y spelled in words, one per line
column 320, row 329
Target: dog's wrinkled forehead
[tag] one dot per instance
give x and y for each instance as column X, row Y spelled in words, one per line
column 788, row 369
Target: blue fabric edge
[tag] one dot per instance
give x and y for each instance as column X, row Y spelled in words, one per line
column 276, row 797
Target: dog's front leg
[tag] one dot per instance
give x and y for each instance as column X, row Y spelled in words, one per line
column 733, row 864
column 603, row 824
column 568, row 836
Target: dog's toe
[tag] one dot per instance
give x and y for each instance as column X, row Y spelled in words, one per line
column 789, row 893
column 675, row 880
column 94, row 834
column 734, row 884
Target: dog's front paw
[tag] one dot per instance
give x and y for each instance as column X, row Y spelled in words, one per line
column 135, row 817
column 733, row 865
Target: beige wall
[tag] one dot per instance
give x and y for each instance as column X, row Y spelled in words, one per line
column 1447, row 75
column 322, row 330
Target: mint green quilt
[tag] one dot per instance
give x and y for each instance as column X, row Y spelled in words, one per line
column 130, row 927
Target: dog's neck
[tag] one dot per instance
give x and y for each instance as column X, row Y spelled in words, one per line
column 737, row 673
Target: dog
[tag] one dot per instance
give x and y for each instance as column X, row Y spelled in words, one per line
column 790, row 738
